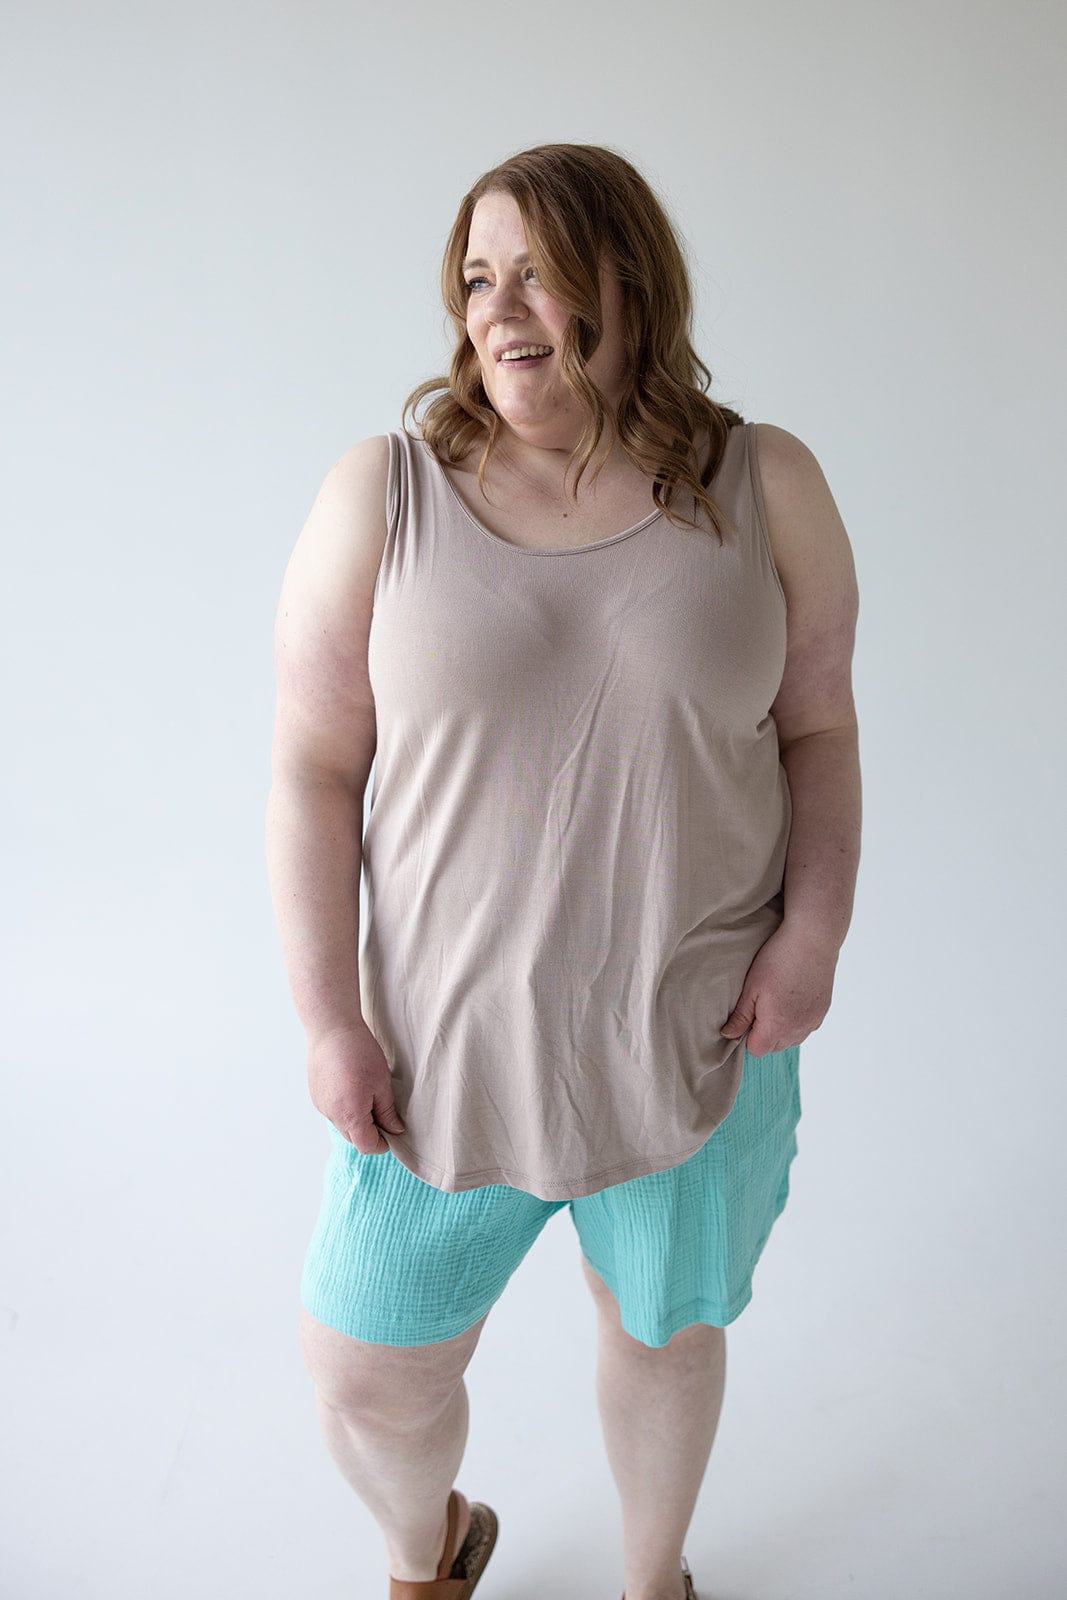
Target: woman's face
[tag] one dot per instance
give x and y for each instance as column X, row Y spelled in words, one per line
column 506, row 305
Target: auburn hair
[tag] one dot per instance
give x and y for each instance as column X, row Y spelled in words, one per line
column 581, row 205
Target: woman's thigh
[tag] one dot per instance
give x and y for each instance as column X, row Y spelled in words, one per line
column 394, row 1261
column 680, row 1246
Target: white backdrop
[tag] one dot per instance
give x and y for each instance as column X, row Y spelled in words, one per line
column 223, row 233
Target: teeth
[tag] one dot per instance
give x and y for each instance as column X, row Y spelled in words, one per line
column 527, row 350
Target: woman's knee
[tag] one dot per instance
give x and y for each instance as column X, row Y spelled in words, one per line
column 390, row 1381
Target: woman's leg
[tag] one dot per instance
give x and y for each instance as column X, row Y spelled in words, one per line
column 659, row 1408
column 395, row 1421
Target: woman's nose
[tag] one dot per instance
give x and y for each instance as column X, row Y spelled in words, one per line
column 504, row 300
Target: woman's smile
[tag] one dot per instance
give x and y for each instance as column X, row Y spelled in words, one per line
column 523, row 363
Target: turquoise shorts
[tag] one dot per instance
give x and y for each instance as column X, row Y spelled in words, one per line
column 393, row 1260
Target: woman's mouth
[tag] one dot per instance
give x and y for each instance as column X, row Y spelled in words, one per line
column 525, row 356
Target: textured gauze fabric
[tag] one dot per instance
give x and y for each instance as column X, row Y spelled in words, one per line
column 577, row 833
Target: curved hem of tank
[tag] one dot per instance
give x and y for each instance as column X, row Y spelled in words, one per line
column 487, row 1177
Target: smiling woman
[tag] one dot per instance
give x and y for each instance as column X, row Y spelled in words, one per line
column 605, row 889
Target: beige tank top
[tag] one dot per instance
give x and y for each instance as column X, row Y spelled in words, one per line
column 577, row 834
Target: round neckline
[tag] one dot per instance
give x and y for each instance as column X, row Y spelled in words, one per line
column 527, row 550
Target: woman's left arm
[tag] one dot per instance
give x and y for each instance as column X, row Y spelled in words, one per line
column 789, row 985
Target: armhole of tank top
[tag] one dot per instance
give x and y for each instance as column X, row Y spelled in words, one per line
column 392, row 493
column 757, row 495
column 392, row 503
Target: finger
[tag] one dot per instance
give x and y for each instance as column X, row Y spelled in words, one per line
column 362, row 1132
column 388, row 1117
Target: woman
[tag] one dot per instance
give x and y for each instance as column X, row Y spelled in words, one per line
column 597, row 630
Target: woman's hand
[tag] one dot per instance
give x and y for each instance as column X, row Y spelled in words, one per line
column 350, row 1083
column 786, row 994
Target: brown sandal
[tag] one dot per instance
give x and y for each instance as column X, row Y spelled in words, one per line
column 690, row 1592
column 455, row 1581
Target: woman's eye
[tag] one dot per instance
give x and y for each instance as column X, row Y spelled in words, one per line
column 472, row 281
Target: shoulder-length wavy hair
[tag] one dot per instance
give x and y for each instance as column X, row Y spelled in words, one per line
column 581, row 205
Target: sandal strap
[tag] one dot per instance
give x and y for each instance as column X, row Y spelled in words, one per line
column 442, row 1587
column 430, row 1589
column 472, row 1557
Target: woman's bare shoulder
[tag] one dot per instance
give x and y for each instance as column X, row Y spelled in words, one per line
column 325, row 703
column 803, row 522
column 813, row 555
column 346, row 528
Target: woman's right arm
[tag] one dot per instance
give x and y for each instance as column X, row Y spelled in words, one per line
column 323, row 747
